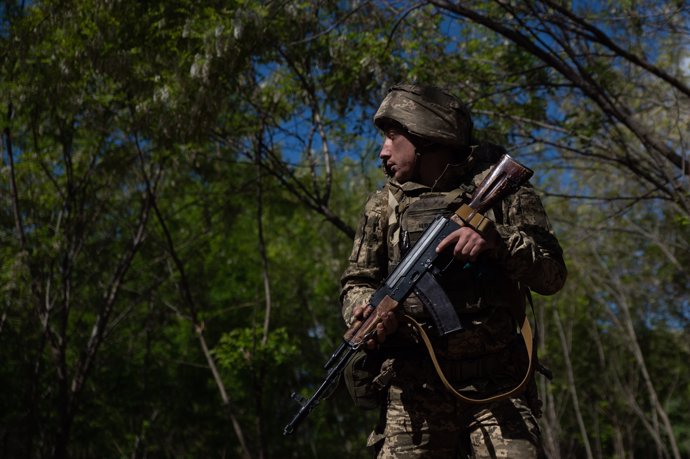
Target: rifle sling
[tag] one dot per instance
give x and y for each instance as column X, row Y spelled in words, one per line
column 437, row 304
column 525, row 331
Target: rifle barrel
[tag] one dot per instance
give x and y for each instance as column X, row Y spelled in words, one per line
column 322, row 391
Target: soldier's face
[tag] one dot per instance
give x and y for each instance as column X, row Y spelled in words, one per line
column 398, row 155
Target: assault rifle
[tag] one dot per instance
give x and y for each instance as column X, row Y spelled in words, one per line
column 418, row 271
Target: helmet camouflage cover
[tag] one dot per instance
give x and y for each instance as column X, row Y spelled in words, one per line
column 427, row 112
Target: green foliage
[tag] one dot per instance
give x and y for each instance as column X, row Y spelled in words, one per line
column 243, row 354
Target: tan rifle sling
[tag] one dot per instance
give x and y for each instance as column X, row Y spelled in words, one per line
column 525, row 331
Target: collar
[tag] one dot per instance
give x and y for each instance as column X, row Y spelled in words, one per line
column 450, row 179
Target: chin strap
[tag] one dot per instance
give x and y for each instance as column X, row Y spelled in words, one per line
column 525, row 331
column 417, row 165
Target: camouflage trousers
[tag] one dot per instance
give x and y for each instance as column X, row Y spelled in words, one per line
column 426, row 421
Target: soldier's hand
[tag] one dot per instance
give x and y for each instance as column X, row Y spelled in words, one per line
column 387, row 325
column 467, row 243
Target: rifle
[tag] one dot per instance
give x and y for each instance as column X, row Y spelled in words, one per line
column 418, row 271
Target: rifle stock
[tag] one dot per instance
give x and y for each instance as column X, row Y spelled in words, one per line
column 422, row 260
column 505, row 178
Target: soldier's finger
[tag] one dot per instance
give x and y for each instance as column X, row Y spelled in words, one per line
column 361, row 311
column 448, row 240
column 380, row 332
column 477, row 248
column 391, row 323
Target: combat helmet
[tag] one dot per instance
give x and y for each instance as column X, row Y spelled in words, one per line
column 427, row 112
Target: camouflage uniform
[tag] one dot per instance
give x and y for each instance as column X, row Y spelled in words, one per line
column 420, row 418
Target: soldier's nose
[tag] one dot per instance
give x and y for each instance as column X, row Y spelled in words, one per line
column 385, row 152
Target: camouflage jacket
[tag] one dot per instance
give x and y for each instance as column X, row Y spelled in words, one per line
column 487, row 294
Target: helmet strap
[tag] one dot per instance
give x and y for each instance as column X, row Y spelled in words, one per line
column 417, row 165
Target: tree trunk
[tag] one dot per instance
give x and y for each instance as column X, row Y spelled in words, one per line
column 571, row 383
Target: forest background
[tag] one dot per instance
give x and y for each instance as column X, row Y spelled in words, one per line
column 181, row 182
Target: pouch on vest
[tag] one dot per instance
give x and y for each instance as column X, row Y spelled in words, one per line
column 421, row 212
column 366, row 376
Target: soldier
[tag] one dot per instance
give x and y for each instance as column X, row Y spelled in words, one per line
column 432, row 167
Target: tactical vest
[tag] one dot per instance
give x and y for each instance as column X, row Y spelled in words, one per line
column 471, row 287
